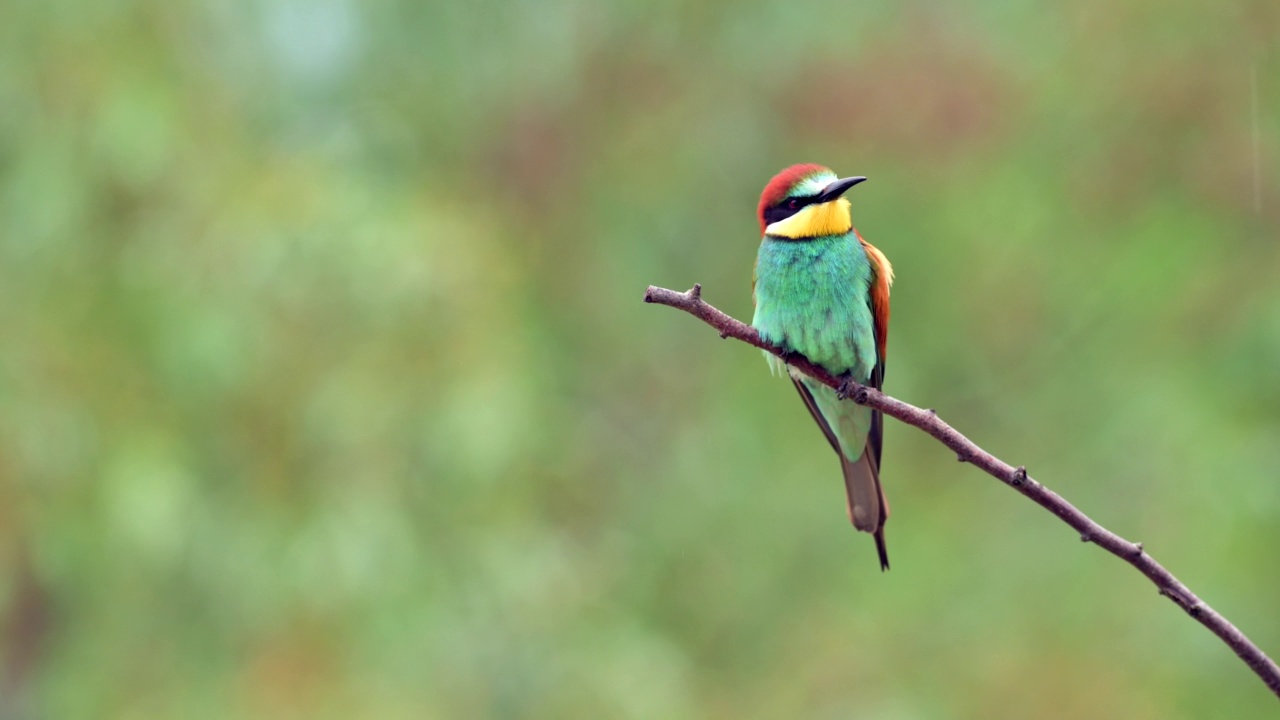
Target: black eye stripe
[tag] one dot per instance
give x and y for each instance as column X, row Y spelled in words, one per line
column 781, row 211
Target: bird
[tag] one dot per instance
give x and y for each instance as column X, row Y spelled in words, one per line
column 821, row 291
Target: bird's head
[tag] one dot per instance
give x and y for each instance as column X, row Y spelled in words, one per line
column 806, row 201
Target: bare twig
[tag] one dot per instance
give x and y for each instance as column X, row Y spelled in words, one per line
column 1015, row 477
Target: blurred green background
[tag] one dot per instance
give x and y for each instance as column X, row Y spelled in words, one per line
column 326, row 390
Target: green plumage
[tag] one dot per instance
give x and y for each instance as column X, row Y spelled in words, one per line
column 812, row 297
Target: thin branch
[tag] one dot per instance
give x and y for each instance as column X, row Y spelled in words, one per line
column 1015, row 477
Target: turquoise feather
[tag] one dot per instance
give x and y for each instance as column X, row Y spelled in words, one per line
column 811, row 298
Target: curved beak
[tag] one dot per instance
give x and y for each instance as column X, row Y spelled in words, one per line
column 838, row 188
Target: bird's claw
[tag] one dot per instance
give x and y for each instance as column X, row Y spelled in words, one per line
column 847, row 388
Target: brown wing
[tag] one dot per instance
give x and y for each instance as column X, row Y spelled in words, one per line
column 878, row 298
column 881, row 281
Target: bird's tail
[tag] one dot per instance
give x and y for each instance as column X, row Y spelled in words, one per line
column 868, row 507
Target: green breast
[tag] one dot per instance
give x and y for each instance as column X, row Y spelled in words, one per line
column 812, row 297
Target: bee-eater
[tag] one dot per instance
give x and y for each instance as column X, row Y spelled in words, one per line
column 822, row 291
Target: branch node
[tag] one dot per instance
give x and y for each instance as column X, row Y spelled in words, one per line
column 695, row 294
column 1086, row 537
column 932, row 412
column 1019, row 475
column 724, row 334
column 1193, row 607
column 1137, row 549
column 963, row 457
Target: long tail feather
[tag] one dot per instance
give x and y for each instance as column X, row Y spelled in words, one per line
column 882, row 550
column 868, row 507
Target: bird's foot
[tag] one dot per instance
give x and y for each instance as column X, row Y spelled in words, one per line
column 848, row 387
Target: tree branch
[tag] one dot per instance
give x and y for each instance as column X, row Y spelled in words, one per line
column 1015, row 477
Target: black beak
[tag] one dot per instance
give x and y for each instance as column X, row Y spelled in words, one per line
column 838, row 188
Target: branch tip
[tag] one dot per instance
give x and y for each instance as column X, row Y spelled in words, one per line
column 695, row 293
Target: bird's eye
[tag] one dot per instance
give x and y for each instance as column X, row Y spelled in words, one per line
column 793, row 204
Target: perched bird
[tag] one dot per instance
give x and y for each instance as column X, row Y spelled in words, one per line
column 822, row 291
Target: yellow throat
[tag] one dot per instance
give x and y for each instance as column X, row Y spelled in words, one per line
column 828, row 218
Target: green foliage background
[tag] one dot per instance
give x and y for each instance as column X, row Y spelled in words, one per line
column 326, row 390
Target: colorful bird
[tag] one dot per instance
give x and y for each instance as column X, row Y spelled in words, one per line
column 822, row 291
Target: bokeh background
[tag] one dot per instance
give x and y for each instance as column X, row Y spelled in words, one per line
column 326, row 390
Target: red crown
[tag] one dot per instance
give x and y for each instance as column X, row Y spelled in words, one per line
column 782, row 183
